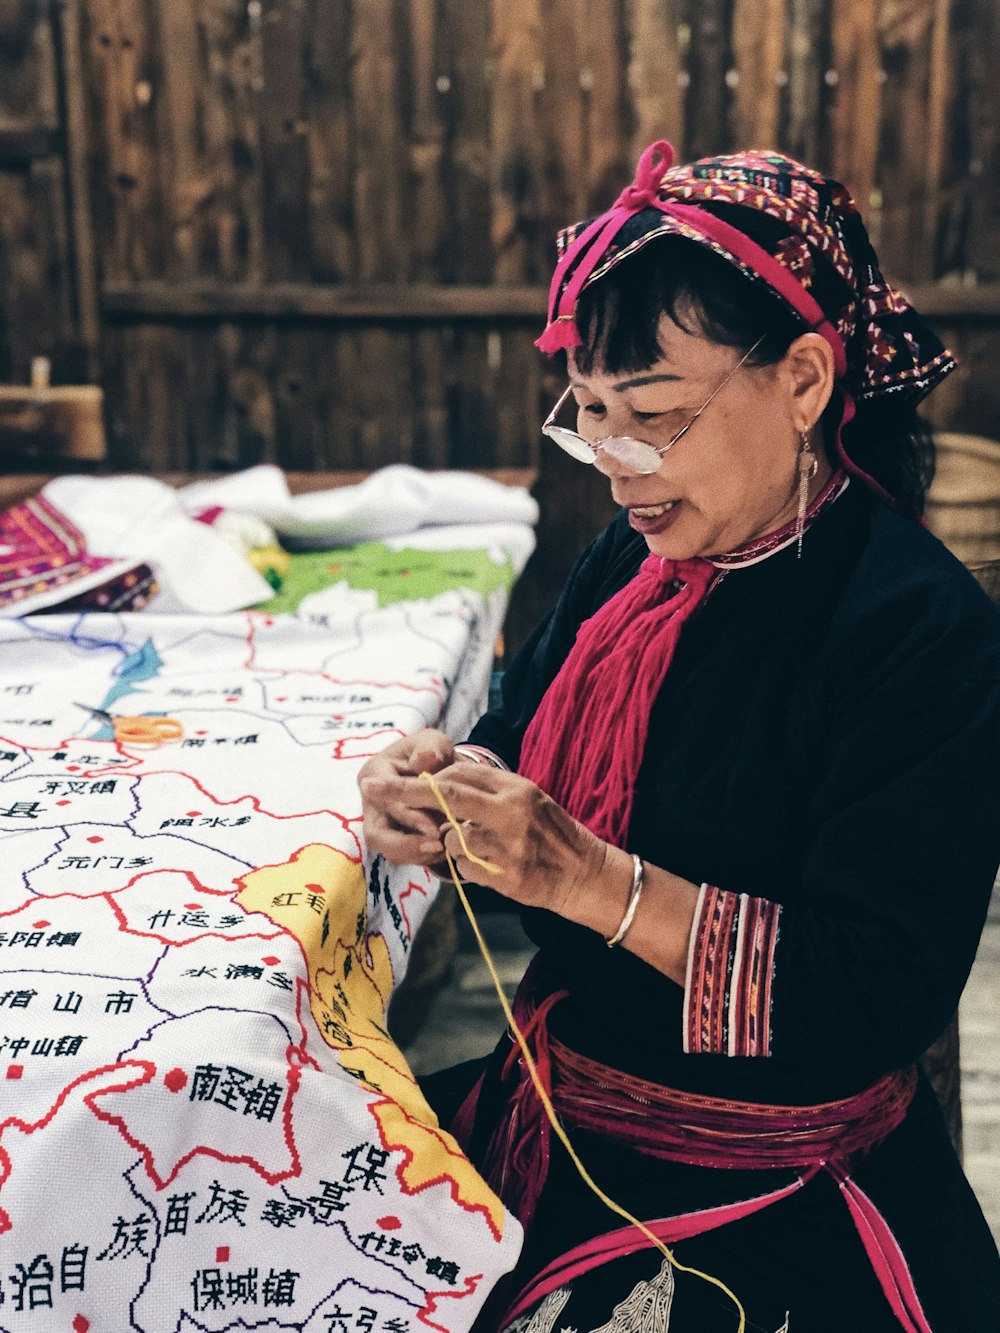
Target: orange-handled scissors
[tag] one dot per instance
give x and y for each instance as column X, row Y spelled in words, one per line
column 139, row 730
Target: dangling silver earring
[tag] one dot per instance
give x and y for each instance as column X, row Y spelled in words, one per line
column 808, row 467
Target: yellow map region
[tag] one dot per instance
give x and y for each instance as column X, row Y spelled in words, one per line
column 320, row 898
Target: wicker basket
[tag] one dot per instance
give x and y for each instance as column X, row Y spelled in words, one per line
column 963, row 507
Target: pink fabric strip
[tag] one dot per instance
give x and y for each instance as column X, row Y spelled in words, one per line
column 615, row 222
column 881, row 1246
column 884, row 1253
column 628, row 1240
column 775, row 274
column 657, row 158
column 719, row 1132
column 618, row 216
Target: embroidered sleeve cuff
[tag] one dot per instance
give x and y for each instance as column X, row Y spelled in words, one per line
column 730, row 969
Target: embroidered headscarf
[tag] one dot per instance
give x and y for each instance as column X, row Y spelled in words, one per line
column 792, row 229
column 781, row 224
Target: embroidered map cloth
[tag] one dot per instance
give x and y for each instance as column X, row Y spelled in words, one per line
column 203, row 1122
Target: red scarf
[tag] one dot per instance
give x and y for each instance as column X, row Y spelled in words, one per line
column 585, row 743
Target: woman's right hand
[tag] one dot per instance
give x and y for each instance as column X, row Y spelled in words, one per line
column 402, row 816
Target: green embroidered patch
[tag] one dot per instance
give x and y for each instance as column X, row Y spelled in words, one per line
column 407, row 575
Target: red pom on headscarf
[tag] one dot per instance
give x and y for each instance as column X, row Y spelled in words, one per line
column 657, row 159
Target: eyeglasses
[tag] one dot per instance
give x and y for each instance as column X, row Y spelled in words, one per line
column 637, row 455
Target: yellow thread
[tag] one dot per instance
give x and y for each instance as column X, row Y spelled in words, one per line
column 431, row 781
column 532, row 1069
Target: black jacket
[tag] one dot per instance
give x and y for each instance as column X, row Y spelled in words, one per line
column 828, row 738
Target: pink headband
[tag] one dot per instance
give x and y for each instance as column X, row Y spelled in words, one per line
column 586, row 252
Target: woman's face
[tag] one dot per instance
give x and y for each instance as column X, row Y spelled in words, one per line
column 733, row 476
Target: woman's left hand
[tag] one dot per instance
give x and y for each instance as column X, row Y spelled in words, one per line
column 546, row 858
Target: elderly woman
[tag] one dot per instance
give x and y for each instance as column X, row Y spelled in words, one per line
column 742, row 785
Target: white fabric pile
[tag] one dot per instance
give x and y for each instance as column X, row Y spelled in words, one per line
column 198, row 569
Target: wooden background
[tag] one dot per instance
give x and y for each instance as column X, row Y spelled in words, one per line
column 318, row 231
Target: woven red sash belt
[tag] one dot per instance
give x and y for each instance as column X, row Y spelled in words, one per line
column 690, row 1128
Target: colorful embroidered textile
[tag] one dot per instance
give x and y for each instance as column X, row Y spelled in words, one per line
column 131, row 590
column 727, row 992
column 142, row 519
column 203, row 1120
column 44, row 562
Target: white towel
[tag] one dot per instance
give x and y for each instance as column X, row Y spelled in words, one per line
column 391, row 502
column 141, row 518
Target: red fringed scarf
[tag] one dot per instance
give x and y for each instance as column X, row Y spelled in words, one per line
column 585, row 743
column 607, row 685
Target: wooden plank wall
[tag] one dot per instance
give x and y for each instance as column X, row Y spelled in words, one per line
column 318, row 231
column 37, row 308
column 246, row 143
